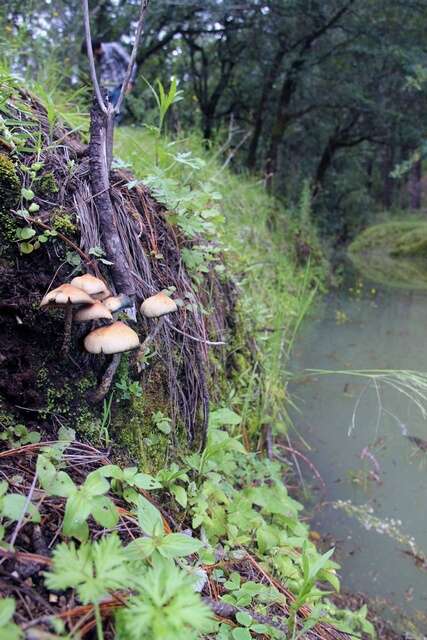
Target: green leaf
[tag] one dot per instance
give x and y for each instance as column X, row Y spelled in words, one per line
column 176, row 545
column 149, row 517
column 7, row 609
column 244, row 618
column 104, row 511
column 241, row 634
column 33, row 208
column 26, row 233
column 180, row 495
column 141, row 548
column 95, row 484
column 27, row 194
column 14, row 505
column 26, row 248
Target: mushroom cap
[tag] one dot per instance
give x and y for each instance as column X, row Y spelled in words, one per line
column 103, row 295
column 114, row 303
column 66, row 293
column 89, row 283
column 158, row 305
column 114, row 338
column 95, row 311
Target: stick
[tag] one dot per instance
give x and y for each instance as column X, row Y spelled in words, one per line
column 143, row 8
column 93, row 76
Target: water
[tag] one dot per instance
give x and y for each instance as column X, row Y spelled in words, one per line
column 355, row 433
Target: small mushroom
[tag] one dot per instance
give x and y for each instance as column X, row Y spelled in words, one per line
column 115, row 303
column 66, row 296
column 92, row 285
column 95, row 311
column 113, row 339
column 158, row 305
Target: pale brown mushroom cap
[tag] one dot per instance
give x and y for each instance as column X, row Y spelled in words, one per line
column 65, row 294
column 114, row 338
column 89, row 283
column 103, row 295
column 114, row 303
column 95, row 311
column 158, row 305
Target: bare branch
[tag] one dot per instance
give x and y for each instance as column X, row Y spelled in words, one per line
column 91, row 58
column 144, row 5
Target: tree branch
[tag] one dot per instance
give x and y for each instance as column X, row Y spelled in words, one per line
column 91, row 59
column 143, row 8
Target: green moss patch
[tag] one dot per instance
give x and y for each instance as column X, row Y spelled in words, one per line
column 393, row 253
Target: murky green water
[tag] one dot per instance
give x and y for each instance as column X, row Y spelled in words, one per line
column 372, row 464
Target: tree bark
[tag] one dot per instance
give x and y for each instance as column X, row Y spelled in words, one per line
column 415, row 185
column 100, row 154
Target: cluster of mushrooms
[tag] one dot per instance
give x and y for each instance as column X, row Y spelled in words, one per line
column 88, row 299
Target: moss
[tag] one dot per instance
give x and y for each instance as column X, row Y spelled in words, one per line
column 68, row 400
column 10, row 185
column 393, row 253
column 132, row 426
column 63, row 222
column 10, row 190
column 46, row 185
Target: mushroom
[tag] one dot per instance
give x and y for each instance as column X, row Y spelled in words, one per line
column 95, row 311
column 66, row 296
column 153, row 307
column 95, row 287
column 115, row 303
column 158, row 305
column 113, row 339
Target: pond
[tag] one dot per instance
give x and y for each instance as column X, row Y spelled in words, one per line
column 357, row 429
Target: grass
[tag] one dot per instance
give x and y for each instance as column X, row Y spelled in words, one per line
column 257, row 239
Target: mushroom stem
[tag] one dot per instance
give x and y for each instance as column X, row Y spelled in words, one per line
column 104, row 386
column 68, row 320
column 141, row 351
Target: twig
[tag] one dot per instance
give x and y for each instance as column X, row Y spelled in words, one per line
column 88, row 37
column 22, row 516
column 187, row 335
column 143, row 8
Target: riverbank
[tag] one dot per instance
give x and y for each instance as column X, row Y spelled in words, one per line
column 192, row 228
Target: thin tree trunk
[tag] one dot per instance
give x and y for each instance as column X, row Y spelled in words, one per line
column 100, row 153
column 415, row 185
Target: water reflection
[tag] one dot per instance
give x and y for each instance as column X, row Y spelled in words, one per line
column 369, row 440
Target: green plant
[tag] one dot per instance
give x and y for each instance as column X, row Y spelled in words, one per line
column 17, row 435
column 8, row 630
column 162, row 422
column 165, row 606
column 128, row 389
column 94, row 570
column 82, row 501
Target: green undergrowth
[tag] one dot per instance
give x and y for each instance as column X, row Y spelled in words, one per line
column 393, row 253
column 231, row 499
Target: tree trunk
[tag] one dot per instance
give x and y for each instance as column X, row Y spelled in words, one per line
column 100, row 154
column 415, row 185
column 388, row 182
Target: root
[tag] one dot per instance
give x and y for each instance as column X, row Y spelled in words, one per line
column 104, row 386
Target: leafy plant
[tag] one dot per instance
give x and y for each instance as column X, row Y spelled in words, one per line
column 165, row 606
column 82, row 501
column 8, row 629
column 157, row 541
column 94, row 570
